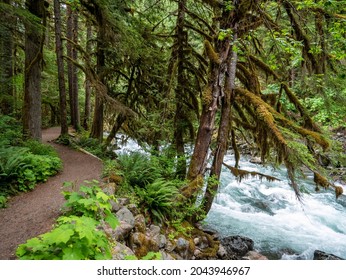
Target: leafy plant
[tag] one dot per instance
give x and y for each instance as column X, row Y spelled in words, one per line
column 91, row 202
column 74, row 238
column 77, row 235
column 10, row 131
column 159, row 198
column 3, row 201
column 38, row 148
column 137, row 169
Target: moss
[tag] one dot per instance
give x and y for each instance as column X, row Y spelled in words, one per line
column 320, row 180
column 212, row 55
column 338, row 191
column 193, row 187
column 241, row 174
column 207, row 97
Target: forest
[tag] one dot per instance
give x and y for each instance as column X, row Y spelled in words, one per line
column 190, row 82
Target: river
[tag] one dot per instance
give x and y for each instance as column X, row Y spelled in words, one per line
column 270, row 214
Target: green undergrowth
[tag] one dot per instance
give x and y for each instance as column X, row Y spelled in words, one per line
column 77, row 234
column 23, row 164
column 150, row 181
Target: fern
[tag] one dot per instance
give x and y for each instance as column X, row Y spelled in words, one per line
column 159, row 198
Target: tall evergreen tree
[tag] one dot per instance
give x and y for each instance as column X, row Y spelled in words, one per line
column 61, row 72
column 34, row 39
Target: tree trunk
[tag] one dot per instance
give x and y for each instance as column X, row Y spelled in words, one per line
column 71, row 34
column 217, row 93
column 224, row 130
column 34, row 36
column 179, row 121
column 97, row 125
column 60, row 63
column 88, row 90
column 6, row 63
column 76, row 113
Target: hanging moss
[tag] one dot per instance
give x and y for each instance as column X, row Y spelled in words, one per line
column 241, row 174
column 320, row 180
column 212, row 55
column 263, row 66
column 338, row 191
column 308, row 122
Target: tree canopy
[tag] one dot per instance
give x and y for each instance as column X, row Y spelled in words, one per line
column 211, row 73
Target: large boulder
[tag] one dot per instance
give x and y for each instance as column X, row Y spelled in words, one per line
column 320, row 255
column 125, row 215
column 121, row 252
column 237, row 245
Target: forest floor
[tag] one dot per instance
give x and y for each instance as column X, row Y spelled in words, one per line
column 30, row 214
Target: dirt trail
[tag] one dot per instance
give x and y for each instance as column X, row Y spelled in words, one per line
column 30, row 214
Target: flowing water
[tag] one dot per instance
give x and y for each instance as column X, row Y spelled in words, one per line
column 270, row 214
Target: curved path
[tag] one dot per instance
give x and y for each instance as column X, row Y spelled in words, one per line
column 30, row 214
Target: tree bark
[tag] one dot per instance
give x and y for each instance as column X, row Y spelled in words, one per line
column 179, row 121
column 88, row 90
column 6, row 63
column 60, row 63
column 224, row 129
column 71, row 34
column 34, row 36
column 97, row 125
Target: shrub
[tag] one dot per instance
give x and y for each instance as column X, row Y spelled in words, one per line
column 20, row 170
column 74, row 238
column 159, row 198
column 138, row 169
column 10, row 131
column 38, row 148
column 91, row 202
column 77, row 235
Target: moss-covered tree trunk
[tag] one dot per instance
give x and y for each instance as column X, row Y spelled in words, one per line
column 34, row 37
column 60, row 63
column 72, row 36
column 88, row 89
column 179, row 120
column 6, row 62
column 97, row 125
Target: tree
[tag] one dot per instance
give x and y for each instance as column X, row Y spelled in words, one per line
column 6, row 61
column 60, row 63
column 34, row 39
column 88, row 89
column 239, row 104
column 72, row 40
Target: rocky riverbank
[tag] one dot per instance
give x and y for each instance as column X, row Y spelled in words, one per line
column 135, row 238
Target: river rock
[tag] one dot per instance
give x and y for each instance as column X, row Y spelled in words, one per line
column 109, row 188
column 140, row 223
column 182, row 248
column 119, row 203
column 133, row 209
column 253, row 255
column 256, row 160
column 122, row 231
column 237, row 244
column 142, row 244
column 125, row 215
column 222, row 253
column 320, row 255
column 120, row 252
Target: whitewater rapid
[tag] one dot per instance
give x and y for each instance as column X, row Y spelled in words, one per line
column 270, row 214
